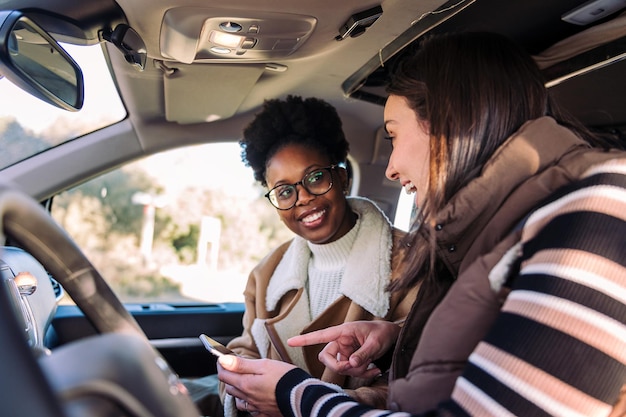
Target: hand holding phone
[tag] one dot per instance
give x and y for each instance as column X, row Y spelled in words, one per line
column 215, row 347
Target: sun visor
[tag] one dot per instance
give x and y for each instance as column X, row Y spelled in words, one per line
column 204, row 93
column 582, row 42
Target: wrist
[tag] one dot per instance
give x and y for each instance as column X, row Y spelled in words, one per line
column 284, row 387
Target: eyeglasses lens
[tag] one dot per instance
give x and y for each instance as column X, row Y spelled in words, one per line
column 317, row 182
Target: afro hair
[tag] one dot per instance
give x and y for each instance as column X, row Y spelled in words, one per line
column 310, row 122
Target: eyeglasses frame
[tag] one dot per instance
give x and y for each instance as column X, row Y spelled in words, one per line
column 330, row 169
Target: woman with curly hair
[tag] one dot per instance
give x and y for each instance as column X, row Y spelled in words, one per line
column 340, row 263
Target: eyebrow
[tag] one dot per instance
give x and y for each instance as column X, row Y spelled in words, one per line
column 306, row 171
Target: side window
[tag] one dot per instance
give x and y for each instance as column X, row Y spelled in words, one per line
column 182, row 226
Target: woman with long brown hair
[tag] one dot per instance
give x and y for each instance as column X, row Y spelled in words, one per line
column 525, row 211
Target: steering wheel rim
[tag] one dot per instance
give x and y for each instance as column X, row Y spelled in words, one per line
column 29, row 224
column 131, row 373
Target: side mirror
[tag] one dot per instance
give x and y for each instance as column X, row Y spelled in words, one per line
column 35, row 62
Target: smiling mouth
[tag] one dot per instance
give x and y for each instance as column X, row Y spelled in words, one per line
column 409, row 188
column 313, row 217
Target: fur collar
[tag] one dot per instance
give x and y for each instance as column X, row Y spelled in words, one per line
column 368, row 268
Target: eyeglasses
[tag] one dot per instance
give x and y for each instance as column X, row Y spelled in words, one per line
column 318, row 182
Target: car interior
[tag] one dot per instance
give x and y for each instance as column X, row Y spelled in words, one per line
column 189, row 73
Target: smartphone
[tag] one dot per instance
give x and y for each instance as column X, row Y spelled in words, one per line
column 215, row 347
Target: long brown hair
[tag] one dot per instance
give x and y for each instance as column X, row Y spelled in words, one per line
column 473, row 90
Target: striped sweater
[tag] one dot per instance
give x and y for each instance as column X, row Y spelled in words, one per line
column 558, row 347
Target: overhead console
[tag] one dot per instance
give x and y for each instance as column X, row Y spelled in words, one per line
column 201, row 34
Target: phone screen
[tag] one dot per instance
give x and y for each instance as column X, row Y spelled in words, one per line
column 215, row 347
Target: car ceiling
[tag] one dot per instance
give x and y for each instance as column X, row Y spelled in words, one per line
column 595, row 95
column 170, row 110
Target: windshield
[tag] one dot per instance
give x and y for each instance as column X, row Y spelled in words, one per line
column 29, row 126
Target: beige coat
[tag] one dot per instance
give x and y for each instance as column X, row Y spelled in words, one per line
column 286, row 319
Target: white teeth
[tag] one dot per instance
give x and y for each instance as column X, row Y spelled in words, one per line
column 409, row 188
column 312, row 217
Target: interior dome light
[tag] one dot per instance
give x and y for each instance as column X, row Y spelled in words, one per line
column 230, row 27
column 220, row 50
column 593, row 11
column 225, row 39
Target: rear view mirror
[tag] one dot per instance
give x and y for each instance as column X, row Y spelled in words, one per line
column 35, row 62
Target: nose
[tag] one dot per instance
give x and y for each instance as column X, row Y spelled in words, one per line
column 391, row 172
column 304, row 196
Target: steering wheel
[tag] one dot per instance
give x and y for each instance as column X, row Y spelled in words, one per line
column 117, row 369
